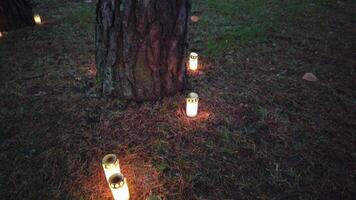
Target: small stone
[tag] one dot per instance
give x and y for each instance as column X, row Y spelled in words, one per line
column 194, row 18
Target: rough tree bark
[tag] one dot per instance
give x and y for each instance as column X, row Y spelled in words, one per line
column 15, row 14
column 141, row 47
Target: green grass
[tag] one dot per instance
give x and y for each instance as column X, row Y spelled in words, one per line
column 81, row 17
column 230, row 24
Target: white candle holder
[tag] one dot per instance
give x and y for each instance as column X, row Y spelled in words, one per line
column 193, row 61
column 192, row 104
column 118, row 187
column 110, row 165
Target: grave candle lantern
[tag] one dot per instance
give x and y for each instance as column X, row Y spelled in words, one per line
column 192, row 104
column 193, row 61
column 111, row 165
column 37, row 19
column 118, row 187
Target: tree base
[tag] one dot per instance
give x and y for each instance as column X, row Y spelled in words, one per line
column 141, row 47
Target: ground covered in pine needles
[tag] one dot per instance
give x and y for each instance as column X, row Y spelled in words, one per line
column 263, row 132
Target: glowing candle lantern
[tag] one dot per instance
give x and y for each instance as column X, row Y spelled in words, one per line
column 193, row 61
column 37, row 19
column 118, row 187
column 111, row 165
column 192, row 104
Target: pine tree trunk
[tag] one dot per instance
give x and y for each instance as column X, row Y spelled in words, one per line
column 15, row 14
column 141, row 47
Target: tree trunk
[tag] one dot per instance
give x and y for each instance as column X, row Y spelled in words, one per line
column 141, row 47
column 15, row 14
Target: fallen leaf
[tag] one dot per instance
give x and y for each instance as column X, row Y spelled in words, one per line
column 310, row 77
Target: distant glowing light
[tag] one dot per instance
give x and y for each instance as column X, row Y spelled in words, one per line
column 1, row 34
column 37, row 19
column 192, row 104
column 118, row 187
column 110, row 165
column 193, row 61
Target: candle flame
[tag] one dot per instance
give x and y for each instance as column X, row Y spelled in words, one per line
column 37, row 19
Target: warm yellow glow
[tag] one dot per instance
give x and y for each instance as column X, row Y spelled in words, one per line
column 111, row 165
column 37, row 18
column 192, row 104
column 193, row 61
column 118, row 187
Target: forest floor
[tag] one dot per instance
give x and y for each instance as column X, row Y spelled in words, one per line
column 262, row 132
